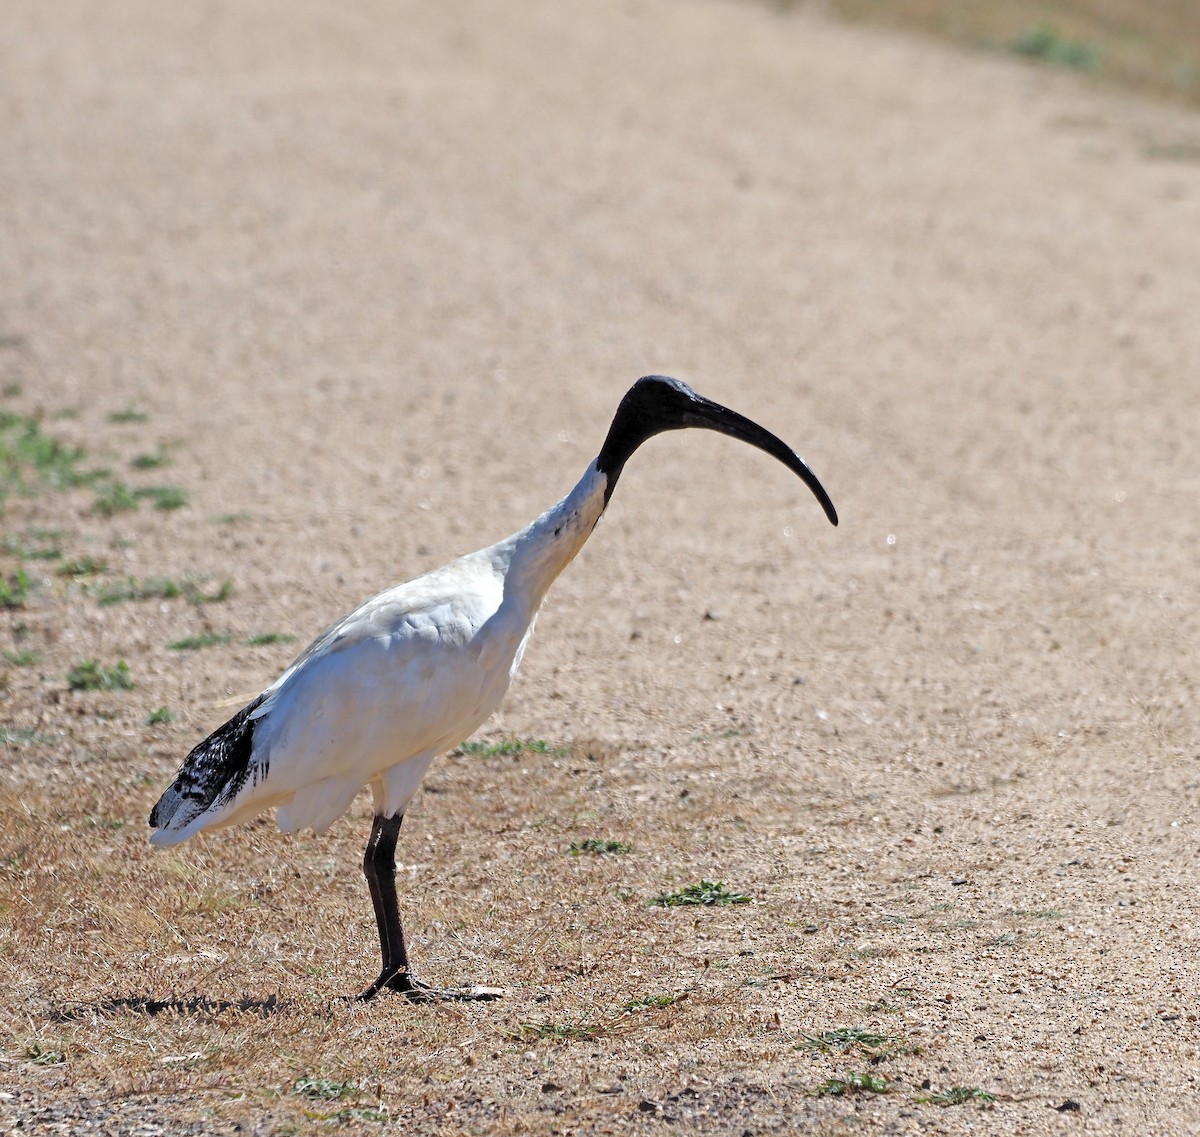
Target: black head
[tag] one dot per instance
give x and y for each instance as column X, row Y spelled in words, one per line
column 657, row 403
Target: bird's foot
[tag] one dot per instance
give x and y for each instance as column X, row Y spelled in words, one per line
column 418, row 992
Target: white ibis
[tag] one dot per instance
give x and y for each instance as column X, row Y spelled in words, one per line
column 412, row 673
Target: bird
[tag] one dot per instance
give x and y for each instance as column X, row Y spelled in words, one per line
column 413, row 672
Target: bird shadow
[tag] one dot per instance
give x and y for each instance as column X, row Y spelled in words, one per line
column 197, row 1006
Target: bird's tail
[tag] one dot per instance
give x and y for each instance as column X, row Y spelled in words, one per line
column 210, row 778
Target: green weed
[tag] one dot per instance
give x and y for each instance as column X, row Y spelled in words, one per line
column 598, row 847
column 203, row 639
column 511, row 746
column 21, row 658
column 560, row 1032
column 19, row 736
column 30, row 458
column 706, row 892
column 114, row 497
column 14, row 590
column 90, row 676
column 160, row 715
column 159, row 588
column 151, row 461
column 262, row 639
column 958, row 1095
column 83, row 566
column 15, row 547
column 324, row 1089
column 129, row 414
column 650, row 1003
column 1044, row 42
column 845, row 1039
column 165, row 497
column 855, row 1083
column 42, row 1057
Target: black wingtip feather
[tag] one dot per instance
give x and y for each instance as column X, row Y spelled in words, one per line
column 216, row 767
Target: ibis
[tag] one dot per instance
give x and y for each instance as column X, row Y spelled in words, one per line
column 413, row 672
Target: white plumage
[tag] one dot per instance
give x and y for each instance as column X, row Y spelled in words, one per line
column 412, row 673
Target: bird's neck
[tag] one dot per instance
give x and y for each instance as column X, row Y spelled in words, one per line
column 540, row 551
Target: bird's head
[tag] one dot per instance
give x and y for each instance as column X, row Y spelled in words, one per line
column 657, row 403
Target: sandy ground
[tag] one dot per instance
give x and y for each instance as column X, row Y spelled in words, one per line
column 377, row 274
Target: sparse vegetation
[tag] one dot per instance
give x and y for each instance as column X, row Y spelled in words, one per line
column 16, row 736
column 262, row 639
column 861, row 1082
column 1153, row 48
column 165, row 497
column 128, row 415
column 30, row 459
column 91, row 676
column 958, row 1095
column 159, row 588
column 511, row 747
column 22, row 657
column 14, row 589
column 325, row 1089
column 161, row 715
column 598, row 847
column 83, row 566
column 113, row 497
column 650, row 1003
column 705, row 892
column 32, row 546
column 154, row 461
column 1046, row 43
column 561, row 1032
column 844, row 1039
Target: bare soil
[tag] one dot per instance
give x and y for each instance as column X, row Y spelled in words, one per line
column 372, row 277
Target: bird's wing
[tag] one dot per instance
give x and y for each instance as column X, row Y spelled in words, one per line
column 398, row 676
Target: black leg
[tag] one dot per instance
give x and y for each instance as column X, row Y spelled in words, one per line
column 379, row 867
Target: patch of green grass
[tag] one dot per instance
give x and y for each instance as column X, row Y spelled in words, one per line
column 560, row 1032
column 91, row 676
column 31, row 458
column 153, row 461
column 129, row 414
column 854, row 1083
column 847, row 1038
column 165, row 497
column 512, row 746
column 161, row 715
column 323, row 1089
column 14, row 589
column 159, row 588
column 650, row 1003
column 1045, row 43
column 113, row 497
column 958, row 1095
column 706, row 892
column 598, row 847
column 17, row 737
column 262, row 639
column 41, row 1056
column 203, row 639
column 16, row 547
column 353, row 1113
column 111, row 824
column 83, row 566
column 21, row 658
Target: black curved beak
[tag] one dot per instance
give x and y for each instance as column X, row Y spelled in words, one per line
column 656, row 403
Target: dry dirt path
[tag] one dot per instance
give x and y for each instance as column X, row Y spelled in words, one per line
column 376, row 275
